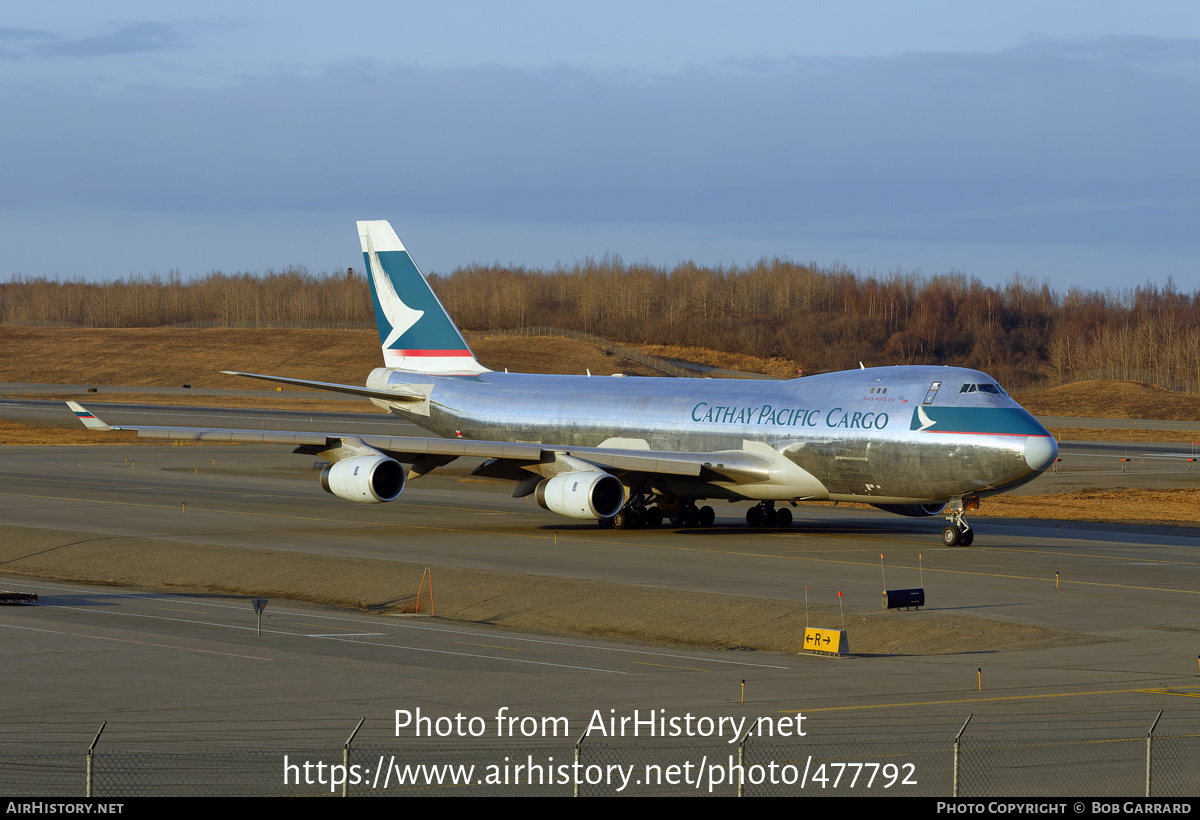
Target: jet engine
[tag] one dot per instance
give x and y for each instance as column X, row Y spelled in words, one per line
column 912, row 510
column 368, row 479
column 582, row 494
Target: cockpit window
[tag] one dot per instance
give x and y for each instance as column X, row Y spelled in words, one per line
column 994, row 389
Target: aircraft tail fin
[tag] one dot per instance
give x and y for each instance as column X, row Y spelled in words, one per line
column 415, row 332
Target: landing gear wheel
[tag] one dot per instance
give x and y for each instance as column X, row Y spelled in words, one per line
column 763, row 515
column 951, row 536
column 783, row 519
column 679, row 515
column 966, row 538
column 626, row 519
column 707, row 517
column 653, row 517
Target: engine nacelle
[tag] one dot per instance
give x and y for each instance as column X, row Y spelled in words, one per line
column 912, row 510
column 582, row 494
column 368, row 479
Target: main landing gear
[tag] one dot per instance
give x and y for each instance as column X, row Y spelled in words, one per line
column 687, row 514
column 764, row 514
column 641, row 512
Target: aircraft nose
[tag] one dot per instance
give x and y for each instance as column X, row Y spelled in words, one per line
column 1040, row 452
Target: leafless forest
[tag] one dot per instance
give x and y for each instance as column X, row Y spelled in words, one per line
column 1023, row 333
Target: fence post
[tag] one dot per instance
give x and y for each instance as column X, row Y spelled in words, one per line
column 956, row 739
column 578, row 747
column 741, row 787
column 346, row 759
column 1149, row 741
column 89, row 758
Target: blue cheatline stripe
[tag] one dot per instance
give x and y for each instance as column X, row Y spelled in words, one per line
column 434, row 330
column 996, row 421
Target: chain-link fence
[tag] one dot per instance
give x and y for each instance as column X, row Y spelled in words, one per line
column 966, row 767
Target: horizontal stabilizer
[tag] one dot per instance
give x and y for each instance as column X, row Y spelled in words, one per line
column 396, row 394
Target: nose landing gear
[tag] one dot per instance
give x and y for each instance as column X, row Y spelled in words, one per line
column 958, row 532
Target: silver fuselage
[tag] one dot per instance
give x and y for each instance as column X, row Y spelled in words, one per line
column 873, row 435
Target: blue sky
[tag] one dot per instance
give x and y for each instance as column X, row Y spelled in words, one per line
column 991, row 139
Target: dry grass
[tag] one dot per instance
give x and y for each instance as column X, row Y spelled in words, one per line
column 1182, row 437
column 545, row 604
column 176, row 356
column 552, row 354
column 1180, row 507
column 16, row 433
column 171, row 357
column 1112, row 400
column 728, row 361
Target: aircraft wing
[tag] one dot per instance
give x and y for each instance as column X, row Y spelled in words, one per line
column 738, row 467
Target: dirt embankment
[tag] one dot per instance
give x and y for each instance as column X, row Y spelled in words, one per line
column 170, row 357
column 785, row 368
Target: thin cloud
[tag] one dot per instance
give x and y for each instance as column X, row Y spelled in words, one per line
column 131, row 39
column 13, row 34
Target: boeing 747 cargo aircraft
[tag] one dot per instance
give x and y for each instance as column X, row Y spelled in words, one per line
column 632, row 452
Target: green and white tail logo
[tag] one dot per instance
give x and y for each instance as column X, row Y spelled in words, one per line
column 415, row 331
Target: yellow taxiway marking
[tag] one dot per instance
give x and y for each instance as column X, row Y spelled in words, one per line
column 667, row 666
column 1138, row 558
column 978, row 700
column 1169, row 692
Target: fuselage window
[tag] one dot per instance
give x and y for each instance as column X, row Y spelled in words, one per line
column 933, row 388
